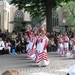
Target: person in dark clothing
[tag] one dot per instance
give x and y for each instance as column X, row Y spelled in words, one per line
column 18, row 46
column 13, row 44
column 23, row 45
column 23, row 30
column 53, row 45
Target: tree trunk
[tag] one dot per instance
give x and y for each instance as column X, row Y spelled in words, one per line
column 49, row 15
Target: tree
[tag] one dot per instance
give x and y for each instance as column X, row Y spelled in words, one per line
column 70, row 8
column 39, row 8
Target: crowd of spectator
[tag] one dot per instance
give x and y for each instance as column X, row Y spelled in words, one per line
column 15, row 40
column 18, row 40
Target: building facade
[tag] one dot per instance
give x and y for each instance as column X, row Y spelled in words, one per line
column 10, row 13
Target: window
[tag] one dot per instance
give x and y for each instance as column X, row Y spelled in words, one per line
column 54, row 19
column 19, row 16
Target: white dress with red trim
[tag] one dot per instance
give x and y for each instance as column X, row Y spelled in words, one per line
column 60, row 45
column 73, row 49
column 8, row 46
column 32, row 48
column 42, row 58
column 66, row 45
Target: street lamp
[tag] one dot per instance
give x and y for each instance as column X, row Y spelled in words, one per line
column 64, row 22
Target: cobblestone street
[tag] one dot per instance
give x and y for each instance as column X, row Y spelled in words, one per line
column 58, row 65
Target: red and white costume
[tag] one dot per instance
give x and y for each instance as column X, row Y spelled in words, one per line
column 31, row 47
column 42, row 58
column 60, row 45
column 8, row 46
column 73, row 48
column 66, row 45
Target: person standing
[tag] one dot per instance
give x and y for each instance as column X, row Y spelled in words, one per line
column 32, row 47
column 42, row 58
column 65, row 45
column 60, row 44
column 73, row 47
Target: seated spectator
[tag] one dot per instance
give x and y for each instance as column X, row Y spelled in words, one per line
column 23, row 44
column 13, row 35
column 13, row 44
column 18, row 46
column 8, row 46
column 53, row 45
column 11, row 72
column 49, row 46
column 2, row 46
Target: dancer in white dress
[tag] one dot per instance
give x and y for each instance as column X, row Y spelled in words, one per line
column 65, row 44
column 73, row 47
column 31, row 47
column 60, row 44
column 42, row 58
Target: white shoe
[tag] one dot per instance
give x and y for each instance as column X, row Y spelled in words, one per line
column 63, row 55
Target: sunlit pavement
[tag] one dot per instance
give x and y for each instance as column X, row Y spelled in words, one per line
column 58, row 65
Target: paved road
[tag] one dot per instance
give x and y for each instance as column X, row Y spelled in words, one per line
column 58, row 64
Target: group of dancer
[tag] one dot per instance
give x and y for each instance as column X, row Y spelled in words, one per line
column 65, row 44
column 37, row 47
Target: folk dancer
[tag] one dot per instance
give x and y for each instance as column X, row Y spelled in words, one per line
column 73, row 47
column 66, row 45
column 42, row 58
column 60, row 44
column 31, row 49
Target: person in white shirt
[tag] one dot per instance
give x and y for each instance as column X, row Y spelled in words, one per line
column 2, row 46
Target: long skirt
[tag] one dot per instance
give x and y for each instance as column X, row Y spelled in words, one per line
column 60, row 48
column 42, row 59
column 31, row 54
column 73, row 52
column 66, row 49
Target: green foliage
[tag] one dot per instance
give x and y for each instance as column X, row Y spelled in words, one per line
column 36, row 7
column 27, row 26
column 20, row 26
column 70, row 8
column 73, row 29
column 17, row 26
column 39, row 8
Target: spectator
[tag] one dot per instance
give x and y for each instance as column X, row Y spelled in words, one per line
column 23, row 44
column 8, row 46
column 2, row 46
column 18, row 45
column 13, row 44
column 13, row 35
column 23, row 30
column 53, row 45
column 11, row 72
